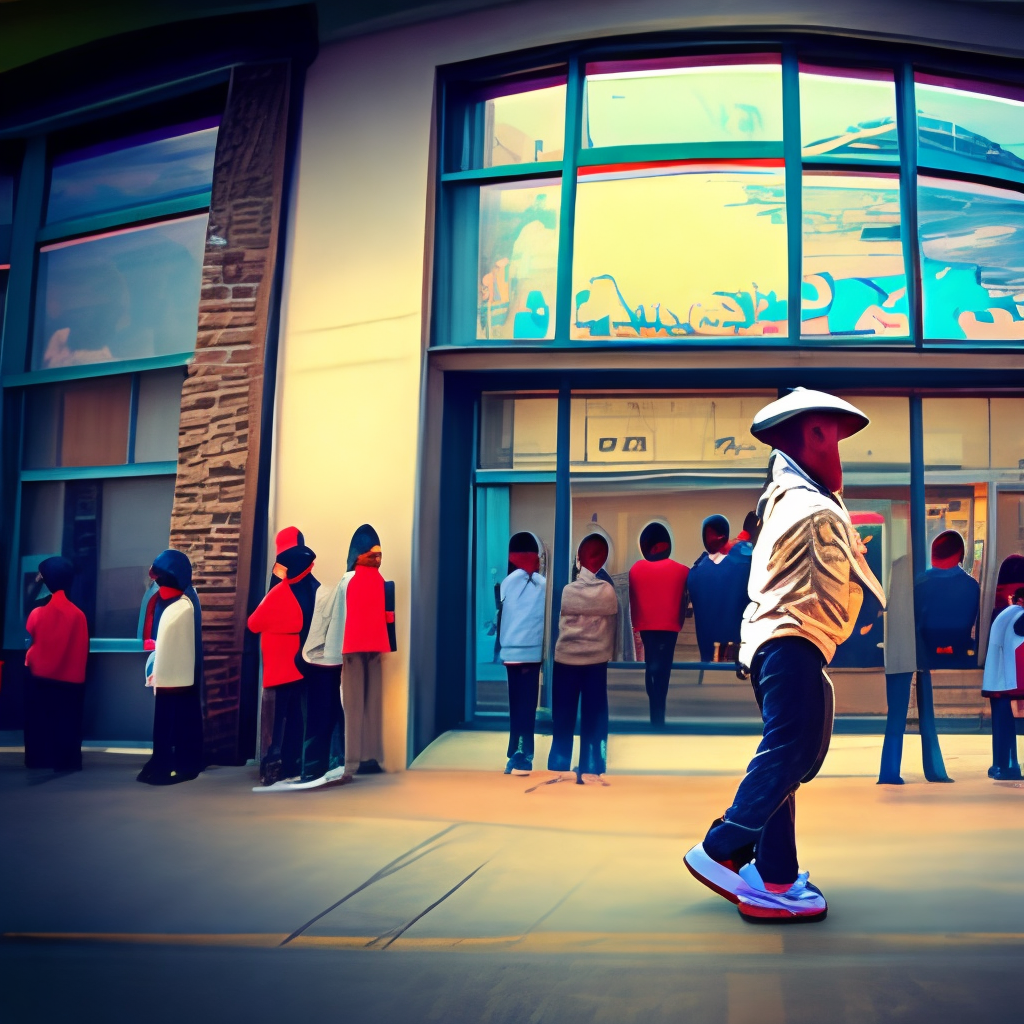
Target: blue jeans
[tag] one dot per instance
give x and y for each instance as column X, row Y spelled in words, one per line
column 797, row 704
column 584, row 687
column 523, row 693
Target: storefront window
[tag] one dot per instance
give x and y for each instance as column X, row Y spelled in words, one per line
column 518, row 261
column 127, row 294
column 518, row 432
column 670, row 251
column 855, row 282
column 167, row 163
column 847, row 115
column 972, row 249
column 733, row 98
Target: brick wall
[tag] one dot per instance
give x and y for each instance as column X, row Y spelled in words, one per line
column 219, row 440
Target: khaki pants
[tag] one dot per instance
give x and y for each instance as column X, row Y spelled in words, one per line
column 361, row 697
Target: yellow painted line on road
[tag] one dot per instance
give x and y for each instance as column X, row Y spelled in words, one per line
column 763, row 941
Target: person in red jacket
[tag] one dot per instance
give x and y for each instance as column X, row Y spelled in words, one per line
column 56, row 663
column 366, row 603
column 657, row 607
column 279, row 620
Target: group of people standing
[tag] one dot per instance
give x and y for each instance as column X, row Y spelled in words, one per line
column 322, row 677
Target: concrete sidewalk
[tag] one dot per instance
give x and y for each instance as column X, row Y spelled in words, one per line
column 442, row 869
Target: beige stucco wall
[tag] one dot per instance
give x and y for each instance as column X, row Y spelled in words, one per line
column 349, row 383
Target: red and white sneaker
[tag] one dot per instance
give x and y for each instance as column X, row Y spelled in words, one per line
column 800, row 902
column 722, row 878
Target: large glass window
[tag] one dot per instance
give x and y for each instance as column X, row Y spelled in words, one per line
column 680, row 219
column 127, row 294
column 733, row 98
column 676, row 250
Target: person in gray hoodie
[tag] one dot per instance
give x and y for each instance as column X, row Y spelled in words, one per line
column 521, row 603
column 587, row 624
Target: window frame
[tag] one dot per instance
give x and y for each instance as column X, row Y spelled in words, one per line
column 455, row 241
column 29, row 233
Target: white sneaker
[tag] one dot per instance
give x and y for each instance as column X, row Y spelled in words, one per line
column 588, row 779
column 800, row 902
column 713, row 874
column 334, row 773
column 291, row 785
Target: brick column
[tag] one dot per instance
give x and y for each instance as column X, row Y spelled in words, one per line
column 219, row 439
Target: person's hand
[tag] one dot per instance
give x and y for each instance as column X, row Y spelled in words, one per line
column 149, row 645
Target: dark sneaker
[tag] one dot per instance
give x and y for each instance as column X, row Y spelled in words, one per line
column 1007, row 775
column 521, row 764
column 800, row 902
column 369, row 768
column 508, row 767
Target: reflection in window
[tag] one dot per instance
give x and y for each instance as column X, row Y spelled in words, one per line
column 127, row 294
column 156, row 426
column 962, row 123
column 848, row 114
column 854, row 278
column 158, row 165
column 517, row 432
column 1006, row 445
column 736, row 98
column 518, row 261
column 670, row 251
column 972, row 249
column 955, row 433
column 884, row 444
column 524, row 127
column 672, row 432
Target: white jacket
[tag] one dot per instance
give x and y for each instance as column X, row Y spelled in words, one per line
column 807, row 578
column 173, row 663
column 521, row 626
column 1001, row 659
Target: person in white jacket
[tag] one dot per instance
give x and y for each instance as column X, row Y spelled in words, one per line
column 521, row 597
column 807, row 581
column 1001, row 683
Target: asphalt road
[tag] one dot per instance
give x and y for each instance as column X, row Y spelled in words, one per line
column 475, row 897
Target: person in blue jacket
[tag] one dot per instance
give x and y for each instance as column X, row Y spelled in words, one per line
column 947, row 601
column 521, row 606
column 717, row 585
column 172, row 629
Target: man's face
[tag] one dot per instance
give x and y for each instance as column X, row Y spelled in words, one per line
column 370, row 558
column 818, row 443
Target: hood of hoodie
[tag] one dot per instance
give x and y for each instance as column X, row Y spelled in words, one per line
column 363, row 540
column 784, row 475
column 171, row 565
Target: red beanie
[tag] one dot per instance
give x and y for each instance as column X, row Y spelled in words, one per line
column 289, row 537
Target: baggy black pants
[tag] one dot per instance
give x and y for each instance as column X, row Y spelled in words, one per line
column 583, row 687
column 53, row 724
column 177, row 736
column 322, row 717
column 659, row 650
column 797, row 705
column 523, row 694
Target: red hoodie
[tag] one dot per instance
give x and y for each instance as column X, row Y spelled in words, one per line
column 278, row 620
column 656, row 592
column 60, row 640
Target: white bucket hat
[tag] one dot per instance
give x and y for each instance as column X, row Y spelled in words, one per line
column 801, row 400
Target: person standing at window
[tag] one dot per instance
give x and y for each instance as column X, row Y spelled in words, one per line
column 521, row 604
column 364, row 627
column 807, row 582
column 947, row 602
column 587, row 623
column 56, row 661
column 173, row 632
column 657, row 606
column 1002, row 682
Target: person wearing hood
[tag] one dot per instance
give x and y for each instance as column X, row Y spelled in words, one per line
column 56, row 661
column 172, row 630
column 362, row 629
column 657, row 607
column 521, row 606
column 306, row 698
column 718, row 589
column 947, row 602
column 587, row 622
column 807, row 582
column 1002, row 682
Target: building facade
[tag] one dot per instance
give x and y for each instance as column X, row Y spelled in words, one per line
column 529, row 266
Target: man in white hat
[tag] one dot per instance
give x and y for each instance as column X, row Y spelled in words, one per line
column 807, row 580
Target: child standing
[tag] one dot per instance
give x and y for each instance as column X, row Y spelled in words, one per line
column 521, row 604
column 587, row 625
column 56, row 662
column 1003, row 681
